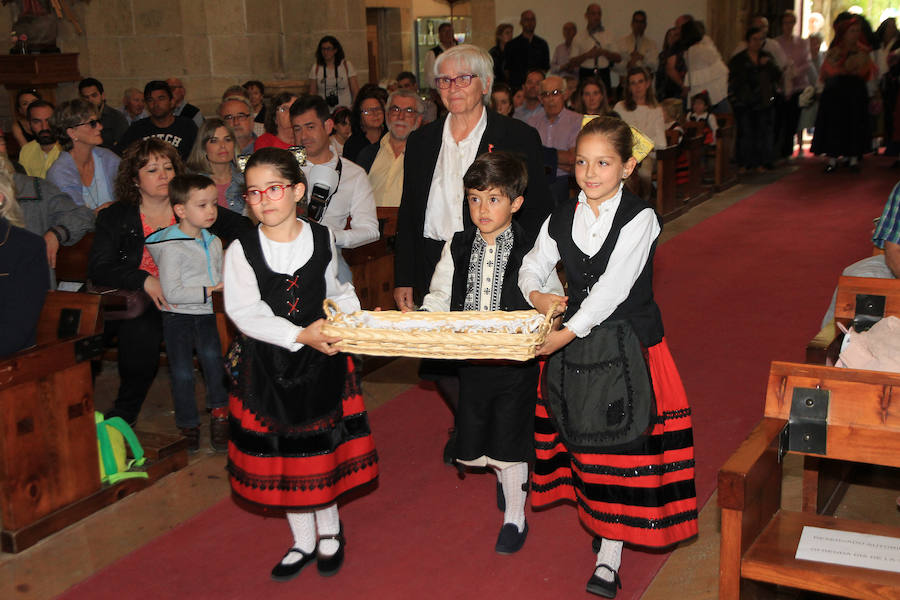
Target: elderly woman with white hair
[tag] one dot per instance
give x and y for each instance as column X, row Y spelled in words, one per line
column 437, row 157
column 432, row 207
column 23, row 274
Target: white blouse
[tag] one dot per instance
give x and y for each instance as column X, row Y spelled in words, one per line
column 626, row 262
column 246, row 308
column 647, row 120
column 444, row 210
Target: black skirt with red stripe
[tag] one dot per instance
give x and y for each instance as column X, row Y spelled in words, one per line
column 642, row 493
column 301, row 466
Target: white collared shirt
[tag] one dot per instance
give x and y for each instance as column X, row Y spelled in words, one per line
column 444, row 210
column 626, row 262
column 243, row 302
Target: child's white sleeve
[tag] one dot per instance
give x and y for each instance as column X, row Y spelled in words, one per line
column 344, row 294
column 625, row 265
column 538, row 263
column 246, row 308
column 438, row 297
column 713, row 125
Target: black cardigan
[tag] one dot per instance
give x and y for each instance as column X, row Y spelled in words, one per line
column 411, row 267
column 24, row 280
column 119, row 244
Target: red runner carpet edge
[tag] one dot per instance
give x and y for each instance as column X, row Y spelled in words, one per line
column 741, row 289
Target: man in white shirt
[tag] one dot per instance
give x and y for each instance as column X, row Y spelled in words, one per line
column 384, row 161
column 594, row 49
column 637, row 50
column 563, row 52
column 350, row 212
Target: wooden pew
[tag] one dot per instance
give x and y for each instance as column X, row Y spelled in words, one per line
column 372, row 266
column 869, row 294
column 676, row 190
column 759, row 538
column 725, row 169
column 49, row 467
column 72, row 261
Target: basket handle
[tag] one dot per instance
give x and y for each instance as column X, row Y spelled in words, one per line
column 549, row 316
column 330, row 308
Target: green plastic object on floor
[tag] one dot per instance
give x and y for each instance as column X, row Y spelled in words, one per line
column 112, row 434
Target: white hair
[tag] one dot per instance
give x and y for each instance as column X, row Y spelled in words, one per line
column 471, row 58
column 9, row 207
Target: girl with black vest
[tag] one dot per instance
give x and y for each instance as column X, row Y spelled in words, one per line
column 478, row 270
column 299, row 431
column 613, row 427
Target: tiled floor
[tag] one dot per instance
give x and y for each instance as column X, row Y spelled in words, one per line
column 73, row 554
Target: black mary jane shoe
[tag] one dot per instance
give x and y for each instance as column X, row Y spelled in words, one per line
column 601, row 587
column 511, row 539
column 286, row 572
column 330, row 565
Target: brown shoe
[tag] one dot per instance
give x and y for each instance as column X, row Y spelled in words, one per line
column 192, row 434
column 218, row 429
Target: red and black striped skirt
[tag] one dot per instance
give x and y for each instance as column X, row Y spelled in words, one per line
column 644, row 496
column 306, row 469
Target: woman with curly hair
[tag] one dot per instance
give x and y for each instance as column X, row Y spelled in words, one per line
column 333, row 76
column 119, row 259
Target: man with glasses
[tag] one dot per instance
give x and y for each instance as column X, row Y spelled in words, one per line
column 37, row 155
column 182, row 107
column 162, row 122
column 114, row 123
column 558, row 127
column 236, row 111
column 384, row 161
column 350, row 200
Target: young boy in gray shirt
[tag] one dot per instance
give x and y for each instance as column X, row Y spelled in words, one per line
column 190, row 268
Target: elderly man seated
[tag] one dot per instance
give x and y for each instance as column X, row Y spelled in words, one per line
column 384, row 161
column 558, row 127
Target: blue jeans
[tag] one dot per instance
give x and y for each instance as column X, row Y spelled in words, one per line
column 183, row 334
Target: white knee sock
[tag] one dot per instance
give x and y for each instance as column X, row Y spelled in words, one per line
column 610, row 554
column 513, row 479
column 303, row 526
column 328, row 523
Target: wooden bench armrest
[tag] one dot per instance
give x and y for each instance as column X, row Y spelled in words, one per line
column 750, row 465
column 37, row 361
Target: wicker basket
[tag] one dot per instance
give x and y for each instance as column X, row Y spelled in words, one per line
column 443, row 343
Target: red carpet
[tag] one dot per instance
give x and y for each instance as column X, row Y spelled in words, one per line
column 741, row 289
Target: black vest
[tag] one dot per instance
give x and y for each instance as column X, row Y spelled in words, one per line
column 437, row 50
column 582, row 271
column 297, row 297
column 511, row 297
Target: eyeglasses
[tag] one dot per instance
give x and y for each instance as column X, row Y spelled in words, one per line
column 273, row 192
column 461, row 81
column 327, row 48
column 409, row 111
column 549, row 93
column 372, row 111
column 237, row 117
column 92, row 123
